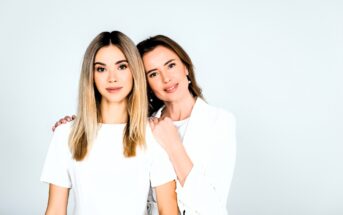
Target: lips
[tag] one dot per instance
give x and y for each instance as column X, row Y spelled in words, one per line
column 171, row 89
column 113, row 89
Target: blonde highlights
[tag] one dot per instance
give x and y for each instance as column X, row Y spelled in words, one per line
column 85, row 127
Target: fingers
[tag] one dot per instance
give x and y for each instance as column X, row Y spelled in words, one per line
column 63, row 121
column 68, row 118
column 164, row 120
column 56, row 125
column 167, row 119
column 153, row 121
column 152, row 124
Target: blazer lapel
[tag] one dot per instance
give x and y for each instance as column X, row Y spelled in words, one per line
column 195, row 125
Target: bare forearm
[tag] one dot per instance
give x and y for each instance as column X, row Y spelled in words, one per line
column 181, row 162
column 58, row 200
column 166, row 199
column 55, row 211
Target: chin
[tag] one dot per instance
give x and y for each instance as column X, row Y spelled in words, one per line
column 115, row 100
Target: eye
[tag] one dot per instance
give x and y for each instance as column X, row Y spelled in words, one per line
column 152, row 74
column 171, row 65
column 122, row 66
column 100, row 69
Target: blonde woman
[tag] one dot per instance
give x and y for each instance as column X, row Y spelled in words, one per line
column 107, row 156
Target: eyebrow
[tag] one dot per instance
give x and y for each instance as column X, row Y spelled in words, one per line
column 116, row 63
column 166, row 63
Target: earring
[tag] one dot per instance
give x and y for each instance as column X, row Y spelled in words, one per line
column 189, row 80
column 151, row 100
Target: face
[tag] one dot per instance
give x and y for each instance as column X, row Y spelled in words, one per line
column 166, row 74
column 112, row 75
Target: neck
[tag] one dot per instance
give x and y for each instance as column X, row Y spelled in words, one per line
column 179, row 110
column 113, row 113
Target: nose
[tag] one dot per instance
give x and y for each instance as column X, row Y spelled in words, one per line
column 165, row 77
column 112, row 77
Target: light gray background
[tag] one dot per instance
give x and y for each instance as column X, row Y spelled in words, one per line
column 276, row 64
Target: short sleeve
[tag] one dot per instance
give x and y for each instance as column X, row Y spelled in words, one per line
column 161, row 169
column 55, row 169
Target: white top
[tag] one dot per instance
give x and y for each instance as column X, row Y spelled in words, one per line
column 181, row 126
column 210, row 142
column 106, row 182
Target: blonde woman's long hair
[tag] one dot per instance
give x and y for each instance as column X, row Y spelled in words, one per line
column 85, row 126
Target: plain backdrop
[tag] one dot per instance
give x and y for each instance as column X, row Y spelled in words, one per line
column 277, row 65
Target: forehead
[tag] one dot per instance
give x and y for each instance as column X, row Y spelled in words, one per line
column 158, row 55
column 110, row 52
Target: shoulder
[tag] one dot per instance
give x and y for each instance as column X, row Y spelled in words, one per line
column 63, row 128
column 223, row 119
column 148, row 133
column 152, row 145
column 224, row 114
column 149, row 136
column 61, row 134
column 215, row 113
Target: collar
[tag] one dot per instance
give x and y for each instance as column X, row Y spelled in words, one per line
column 199, row 105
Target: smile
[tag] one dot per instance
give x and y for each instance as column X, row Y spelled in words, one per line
column 171, row 89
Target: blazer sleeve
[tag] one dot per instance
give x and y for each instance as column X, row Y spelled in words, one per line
column 206, row 188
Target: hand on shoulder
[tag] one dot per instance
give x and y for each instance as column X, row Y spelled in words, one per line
column 63, row 120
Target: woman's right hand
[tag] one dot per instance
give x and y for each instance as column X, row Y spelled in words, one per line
column 166, row 134
column 63, row 121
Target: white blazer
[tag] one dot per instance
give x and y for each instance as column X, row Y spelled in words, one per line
column 210, row 142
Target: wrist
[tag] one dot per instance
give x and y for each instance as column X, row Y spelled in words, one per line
column 175, row 149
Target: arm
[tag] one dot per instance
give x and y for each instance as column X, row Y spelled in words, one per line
column 58, row 200
column 166, row 199
column 167, row 135
column 207, row 186
column 181, row 161
column 205, row 183
column 55, row 172
column 162, row 178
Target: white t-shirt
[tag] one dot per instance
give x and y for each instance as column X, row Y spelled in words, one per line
column 106, row 182
column 181, row 126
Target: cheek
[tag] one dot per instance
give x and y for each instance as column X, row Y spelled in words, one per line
column 184, row 71
column 153, row 84
column 97, row 81
column 129, row 79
